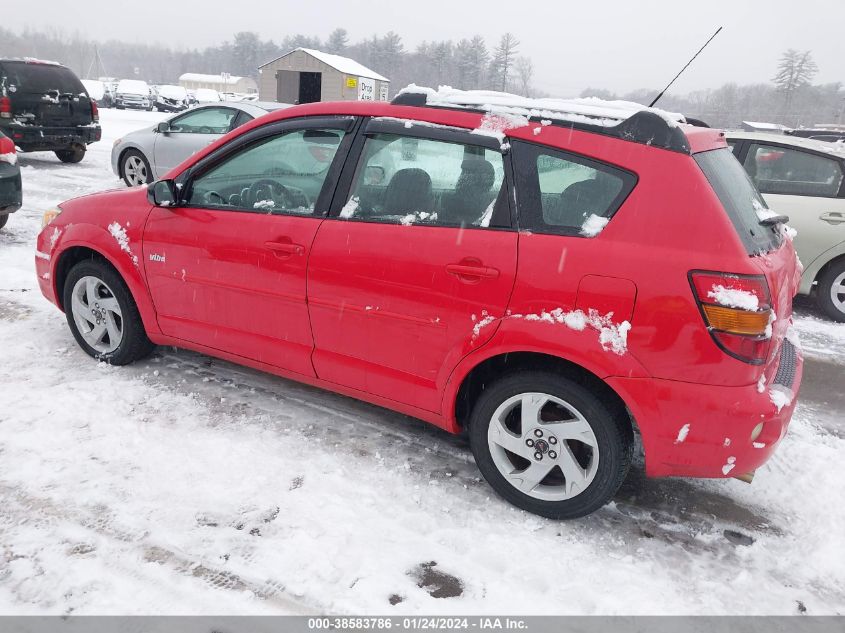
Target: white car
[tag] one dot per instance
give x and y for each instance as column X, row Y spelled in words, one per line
column 132, row 93
column 805, row 180
column 206, row 95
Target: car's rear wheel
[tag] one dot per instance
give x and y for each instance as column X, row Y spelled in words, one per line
column 549, row 445
column 831, row 291
column 102, row 314
column 3, row 219
column 135, row 168
column 73, row 155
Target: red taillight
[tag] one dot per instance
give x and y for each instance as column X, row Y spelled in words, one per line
column 737, row 312
column 7, row 146
column 95, row 112
column 5, row 108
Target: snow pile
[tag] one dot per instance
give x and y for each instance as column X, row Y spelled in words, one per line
column 682, row 434
column 350, row 208
column 496, row 124
column 119, row 234
column 264, row 205
column 612, row 337
column 419, row 216
column 734, row 298
column 481, row 323
column 11, row 158
column 594, row 225
column 780, row 396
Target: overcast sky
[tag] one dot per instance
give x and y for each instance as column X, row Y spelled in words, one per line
column 614, row 44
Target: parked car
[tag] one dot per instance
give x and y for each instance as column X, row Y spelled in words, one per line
column 819, row 134
column 10, row 180
column 546, row 286
column 206, row 95
column 171, row 99
column 148, row 153
column 44, row 107
column 133, row 94
column 99, row 92
column 804, row 179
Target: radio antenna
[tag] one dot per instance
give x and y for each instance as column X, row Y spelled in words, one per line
column 657, row 98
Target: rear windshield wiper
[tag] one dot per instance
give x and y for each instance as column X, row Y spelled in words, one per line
column 774, row 219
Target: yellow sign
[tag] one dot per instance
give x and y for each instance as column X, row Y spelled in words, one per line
column 351, row 82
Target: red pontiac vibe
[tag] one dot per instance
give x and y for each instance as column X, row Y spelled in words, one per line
column 548, row 277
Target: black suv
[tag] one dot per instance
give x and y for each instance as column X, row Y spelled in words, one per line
column 10, row 180
column 44, row 107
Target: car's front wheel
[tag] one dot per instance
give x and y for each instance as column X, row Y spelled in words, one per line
column 549, row 445
column 71, row 155
column 135, row 168
column 102, row 314
column 831, row 291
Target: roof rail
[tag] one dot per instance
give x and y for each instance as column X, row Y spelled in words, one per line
column 624, row 120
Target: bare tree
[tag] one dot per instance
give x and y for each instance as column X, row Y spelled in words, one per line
column 796, row 69
column 503, row 60
column 524, row 73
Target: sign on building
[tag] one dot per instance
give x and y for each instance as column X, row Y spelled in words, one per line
column 366, row 89
column 382, row 95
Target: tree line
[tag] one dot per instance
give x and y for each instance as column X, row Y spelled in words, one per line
column 789, row 97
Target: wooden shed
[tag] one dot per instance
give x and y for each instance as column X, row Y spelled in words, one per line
column 305, row 76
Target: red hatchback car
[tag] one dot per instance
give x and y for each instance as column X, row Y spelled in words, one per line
column 550, row 278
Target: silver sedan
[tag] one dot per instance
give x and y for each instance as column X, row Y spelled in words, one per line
column 147, row 154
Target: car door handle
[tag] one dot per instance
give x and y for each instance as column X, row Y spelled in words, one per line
column 464, row 270
column 833, row 217
column 285, row 248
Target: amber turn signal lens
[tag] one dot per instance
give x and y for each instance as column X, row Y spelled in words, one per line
column 49, row 216
column 737, row 321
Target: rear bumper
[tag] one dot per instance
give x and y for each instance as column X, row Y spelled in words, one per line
column 34, row 138
column 10, row 188
column 718, row 441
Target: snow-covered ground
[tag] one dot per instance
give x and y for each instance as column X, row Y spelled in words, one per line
column 185, row 484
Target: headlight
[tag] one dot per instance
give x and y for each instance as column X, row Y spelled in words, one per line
column 49, row 216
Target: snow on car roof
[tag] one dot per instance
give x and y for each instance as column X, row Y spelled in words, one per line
column 589, row 110
column 338, row 62
column 835, row 149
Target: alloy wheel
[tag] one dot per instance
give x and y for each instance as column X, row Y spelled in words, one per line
column 97, row 314
column 543, row 446
column 135, row 170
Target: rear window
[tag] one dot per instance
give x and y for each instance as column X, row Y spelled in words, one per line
column 40, row 78
column 740, row 199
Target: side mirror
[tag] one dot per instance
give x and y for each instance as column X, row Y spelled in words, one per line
column 162, row 193
column 163, row 127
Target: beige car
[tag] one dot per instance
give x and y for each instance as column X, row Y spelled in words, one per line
column 805, row 180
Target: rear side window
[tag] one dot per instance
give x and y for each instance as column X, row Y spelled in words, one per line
column 739, row 198
column 409, row 180
column 40, row 78
column 564, row 193
column 792, row 172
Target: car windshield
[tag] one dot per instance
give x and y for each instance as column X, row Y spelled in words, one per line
column 740, row 199
column 40, row 78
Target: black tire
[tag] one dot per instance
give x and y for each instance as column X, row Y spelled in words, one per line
column 3, row 220
column 72, row 155
column 132, row 153
column 610, row 426
column 134, row 344
column 832, row 275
